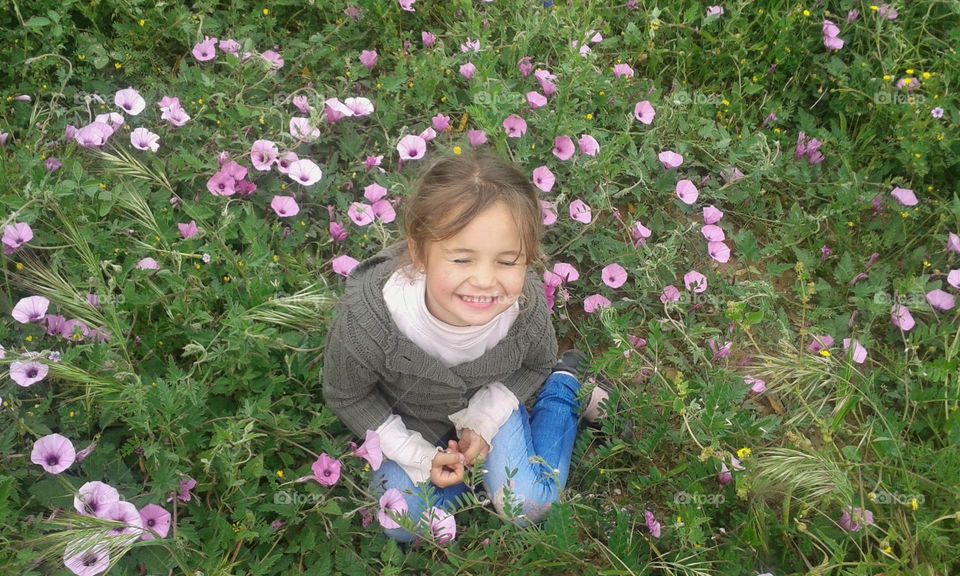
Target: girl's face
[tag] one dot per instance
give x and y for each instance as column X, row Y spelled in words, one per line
column 477, row 274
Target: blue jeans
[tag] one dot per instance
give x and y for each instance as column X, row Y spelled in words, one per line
column 526, row 468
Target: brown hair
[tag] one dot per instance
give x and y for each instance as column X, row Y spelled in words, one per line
column 455, row 189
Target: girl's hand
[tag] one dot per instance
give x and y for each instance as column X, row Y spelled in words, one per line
column 473, row 445
column 447, row 467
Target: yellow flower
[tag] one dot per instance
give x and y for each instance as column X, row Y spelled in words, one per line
column 874, row 8
column 926, row 75
column 457, row 150
column 279, row 473
column 409, row 84
column 366, row 467
column 302, row 223
column 117, row 65
column 197, row 266
column 19, row 266
column 226, row 279
column 776, row 130
column 926, row 264
column 200, row 101
column 904, row 215
column 760, row 11
column 442, row 98
column 744, row 453
column 601, row 93
column 71, row 413
column 849, row 224
column 380, row 85
column 806, row 12
column 589, row 116
column 754, row 78
column 266, row 11
column 872, row 496
column 261, row 121
column 940, row 137
column 916, row 155
column 725, row 102
column 910, row 71
column 81, row 57
column 276, row 258
column 825, row 353
column 141, row 22
column 283, row 185
column 240, row 264
column 29, row 338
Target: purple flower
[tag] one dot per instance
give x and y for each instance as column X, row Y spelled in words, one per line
column 93, row 135
column 15, row 236
column 155, row 520
column 52, row 165
column 186, row 485
column 652, row 525
column 130, row 101
column 30, row 309
column 853, row 519
column 326, row 470
column 94, row 498
column 54, row 452
column 87, row 557
column 442, row 524
column 206, row 50
column 368, row 58
column 937, row 112
column 391, row 501
column 143, row 139
column 27, row 373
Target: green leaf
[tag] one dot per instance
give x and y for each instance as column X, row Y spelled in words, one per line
column 37, row 22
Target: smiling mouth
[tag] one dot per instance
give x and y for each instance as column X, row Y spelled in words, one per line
column 477, row 299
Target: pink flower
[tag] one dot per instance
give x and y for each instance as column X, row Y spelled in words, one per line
column 470, row 46
column 427, row 39
column 442, row 525
column 391, row 501
column 543, row 178
column 370, row 450
column 361, row 213
column 27, row 374
column 428, row 134
column 718, row 251
column 588, row 145
column 130, row 101
column 953, row 243
column 831, row 39
column 359, row 106
column 334, row 110
column 188, row 231
column 301, row 129
column 143, row 139
column 536, row 100
column 304, row 172
column 953, row 279
column 229, row 46
column 639, row 234
column 86, row 557
column 175, row 115
column 206, row 50
column 731, row 175
column 580, row 211
column 549, row 213
column 525, row 66
column 613, row 275
column 901, row 318
column 54, row 453
column 566, row 272
column 263, row 155
column 722, row 352
column 714, row 11
column 93, row 135
column 670, row 294
column 168, row 102
column 407, row 5
column 373, row 162
column 374, row 192
column 853, row 519
column 594, row 303
column 326, row 470
column 859, row 352
column 93, row 498
column 411, row 147
column 757, row 386
column 368, row 58
column 16, row 235
column 711, row 215
column 820, row 343
column 712, row 233
column 155, row 521
column 695, row 281
column 515, row 126
column 904, row 196
column 285, row 206
column 147, row 264
column 222, row 184
column 30, row 309
column 670, row 160
column 125, row 513
column 644, row 112
column 384, row 211
column 476, row 137
column 302, row 104
column 344, row 265
column 468, row 70
column 687, row 192
column 725, row 476
column 273, row 59
column 337, row 232
column 652, row 525
column 186, row 485
column 887, row 11
column 622, row 70
column 940, row 301
column 563, row 148
column 440, row 122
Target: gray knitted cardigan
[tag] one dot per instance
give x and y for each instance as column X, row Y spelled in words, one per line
column 370, row 369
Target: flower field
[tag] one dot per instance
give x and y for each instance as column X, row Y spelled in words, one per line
column 751, row 209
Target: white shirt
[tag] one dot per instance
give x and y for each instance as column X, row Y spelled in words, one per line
column 488, row 409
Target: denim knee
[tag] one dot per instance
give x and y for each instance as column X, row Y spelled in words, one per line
column 533, row 502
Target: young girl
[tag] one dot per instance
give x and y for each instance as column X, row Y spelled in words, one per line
column 440, row 340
